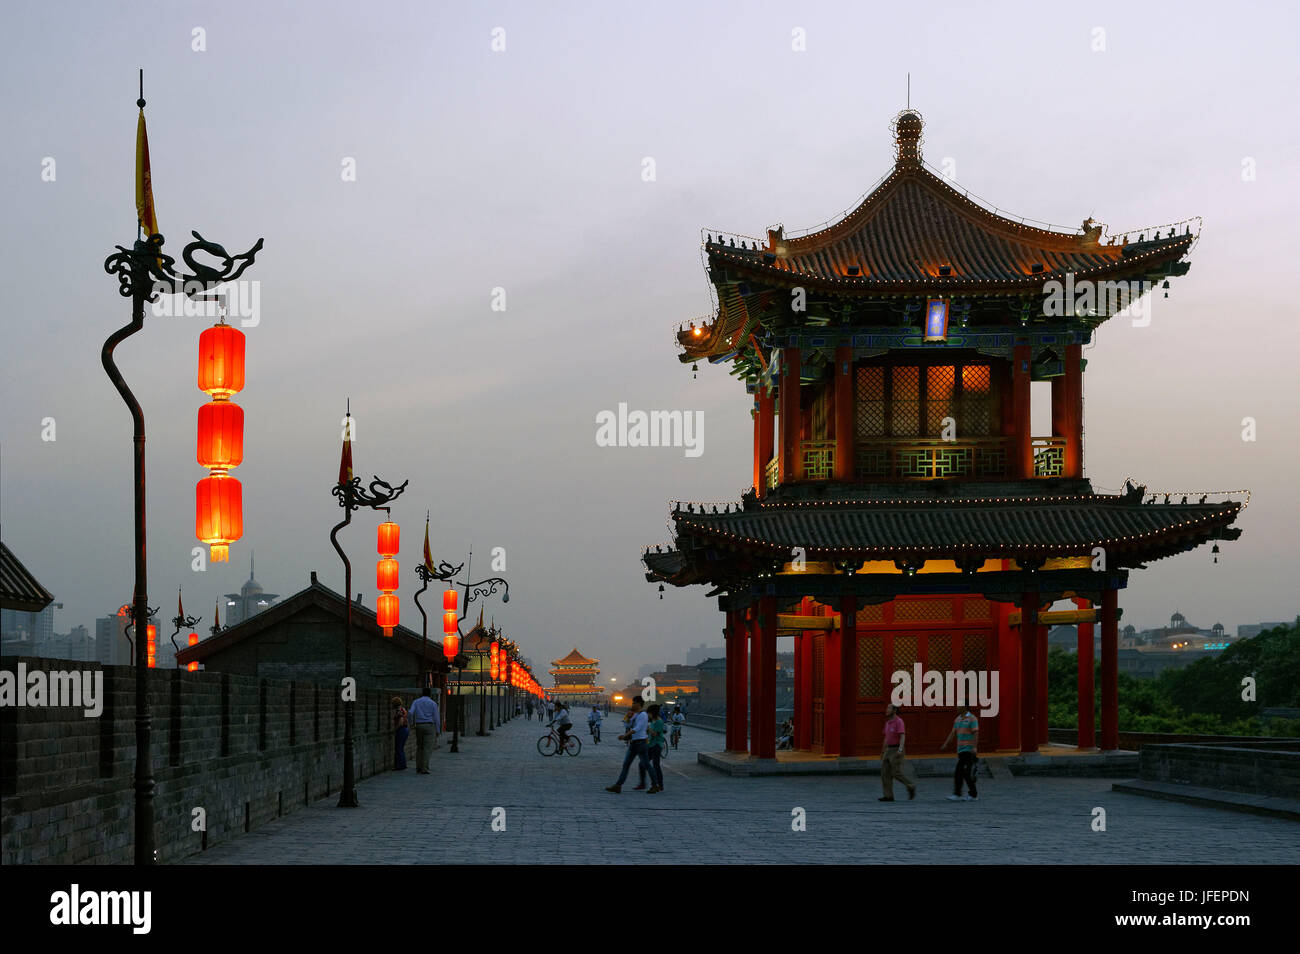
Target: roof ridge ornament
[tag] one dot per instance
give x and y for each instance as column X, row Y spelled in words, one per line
column 907, row 129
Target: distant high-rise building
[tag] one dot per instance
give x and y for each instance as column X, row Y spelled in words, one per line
column 249, row 601
column 112, row 648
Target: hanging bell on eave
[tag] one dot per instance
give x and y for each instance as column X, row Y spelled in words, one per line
column 695, row 370
column 661, row 591
column 1215, row 551
column 1165, row 286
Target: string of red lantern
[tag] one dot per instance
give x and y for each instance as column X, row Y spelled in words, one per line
column 450, row 629
column 389, row 607
column 151, row 644
column 218, row 498
column 194, row 640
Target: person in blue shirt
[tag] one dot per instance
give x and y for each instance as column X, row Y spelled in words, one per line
column 425, row 717
column 593, row 723
column 638, row 727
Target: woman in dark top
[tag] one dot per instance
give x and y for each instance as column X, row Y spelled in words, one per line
column 400, row 731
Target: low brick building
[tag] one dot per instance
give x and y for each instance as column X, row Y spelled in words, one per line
column 301, row 638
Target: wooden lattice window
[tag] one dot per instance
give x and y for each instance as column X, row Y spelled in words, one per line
column 907, row 652
column 913, row 400
column 974, row 652
column 819, row 405
column 939, row 652
column 871, row 666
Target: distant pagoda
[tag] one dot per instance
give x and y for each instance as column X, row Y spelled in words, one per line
column 902, row 515
column 575, row 677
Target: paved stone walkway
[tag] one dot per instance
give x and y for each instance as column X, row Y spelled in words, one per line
column 556, row 810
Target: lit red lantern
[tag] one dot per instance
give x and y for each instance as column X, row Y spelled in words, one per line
column 221, row 361
column 151, row 644
column 386, row 613
column 219, row 503
column 451, row 645
column 449, row 624
column 388, row 538
column 386, row 575
column 221, row 435
column 494, row 652
column 219, row 514
column 193, row 641
column 388, row 541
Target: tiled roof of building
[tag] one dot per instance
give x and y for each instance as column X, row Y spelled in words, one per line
column 18, row 588
column 574, row 658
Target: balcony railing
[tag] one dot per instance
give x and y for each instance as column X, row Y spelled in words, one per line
column 932, row 459
column 1049, row 456
column 818, row 459
column 885, row 459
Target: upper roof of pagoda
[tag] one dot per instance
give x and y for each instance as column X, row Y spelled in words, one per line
column 574, row 658
column 915, row 233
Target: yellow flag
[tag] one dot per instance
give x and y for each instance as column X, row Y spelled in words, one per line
column 144, row 209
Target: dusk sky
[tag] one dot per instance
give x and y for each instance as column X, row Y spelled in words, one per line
column 521, row 169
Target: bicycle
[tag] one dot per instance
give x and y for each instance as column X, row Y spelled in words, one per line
column 594, row 729
column 676, row 735
column 549, row 744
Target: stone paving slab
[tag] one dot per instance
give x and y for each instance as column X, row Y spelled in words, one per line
column 1271, row 805
column 557, row 811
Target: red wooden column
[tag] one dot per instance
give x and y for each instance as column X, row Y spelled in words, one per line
column 1073, row 398
column 1087, row 720
column 760, row 480
column 832, row 661
column 803, row 715
column 738, row 683
column 1009, row 684
column 844, row 432
column 1109, row 670
column 798, row 673
column 791, row 419
column 733, row 639
column 848, row 685
column 762, row 680
column 1021, row 450
column 1040, row 635
column 1028, row 672
column 764, row 438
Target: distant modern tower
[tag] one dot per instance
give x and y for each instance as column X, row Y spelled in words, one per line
column 249, row 601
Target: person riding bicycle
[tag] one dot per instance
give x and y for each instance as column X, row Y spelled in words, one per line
column 593, row 723
column 561, row 720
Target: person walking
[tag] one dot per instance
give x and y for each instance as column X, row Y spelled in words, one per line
column 892, row 756
column 638, row 728
column 424, row 714
column 966, row 729
column 401, row 729
column 655, row 748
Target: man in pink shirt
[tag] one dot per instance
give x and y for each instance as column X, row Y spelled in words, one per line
column 891, row 756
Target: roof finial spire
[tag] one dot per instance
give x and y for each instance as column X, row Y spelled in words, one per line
column 909, row 90
column 907, row 136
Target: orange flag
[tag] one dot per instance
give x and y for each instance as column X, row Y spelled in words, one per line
column 144, row 209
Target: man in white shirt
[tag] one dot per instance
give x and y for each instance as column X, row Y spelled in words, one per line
column 638, row 729
column 561, row 720
column 426, row 719
column 593, row 723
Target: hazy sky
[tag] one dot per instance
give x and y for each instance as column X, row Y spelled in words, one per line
column 522, row 170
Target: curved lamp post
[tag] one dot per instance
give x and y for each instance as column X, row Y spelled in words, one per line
column 352, row 496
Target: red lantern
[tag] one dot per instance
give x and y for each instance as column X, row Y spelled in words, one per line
column 387, row 613
column 193, row 641
column 389, row 536
column 494, row 652
column 221, row 435
column 451, row 645
column 449, row 600
column 386, row 575
column 151, row 645
column 221, row 361
column 449, row 624
column 219, row 514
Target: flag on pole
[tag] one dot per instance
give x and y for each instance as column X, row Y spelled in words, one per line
column 144, row 209
column 180, row 610
column 428, row 556
column 345, row 463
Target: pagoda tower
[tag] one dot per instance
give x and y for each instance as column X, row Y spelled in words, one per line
column 903, row 518
column 575, row 678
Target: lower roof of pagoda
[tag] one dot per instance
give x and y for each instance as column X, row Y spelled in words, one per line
column 967, row 523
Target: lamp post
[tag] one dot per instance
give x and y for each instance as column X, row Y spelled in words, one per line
column 352, row 496
column 144, row 272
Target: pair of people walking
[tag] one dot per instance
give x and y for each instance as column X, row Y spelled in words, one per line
column 426, row 718
column 645, row 737
column 965, row 729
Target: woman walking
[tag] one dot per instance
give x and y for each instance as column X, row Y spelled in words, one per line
column 401, row 729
